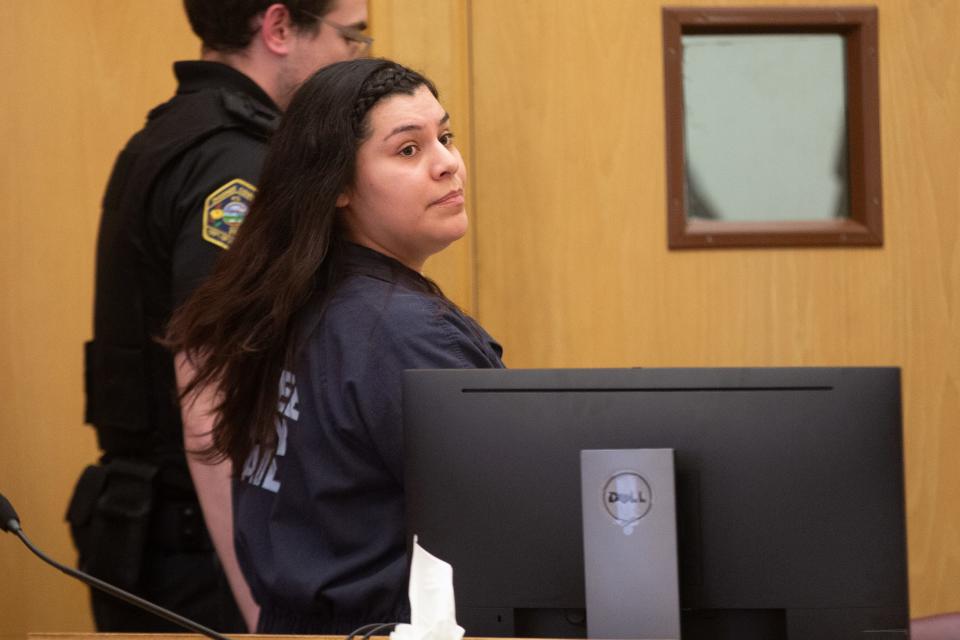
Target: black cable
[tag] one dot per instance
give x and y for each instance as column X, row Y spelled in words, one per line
column 106, row 587
column 381, row 627
column 369, row 629
column 362, row 629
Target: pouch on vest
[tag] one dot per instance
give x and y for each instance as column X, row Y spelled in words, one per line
column 82, row 505
column 120, row 523
column 116, row 386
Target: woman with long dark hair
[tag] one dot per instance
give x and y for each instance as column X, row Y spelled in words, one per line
column 303, row 330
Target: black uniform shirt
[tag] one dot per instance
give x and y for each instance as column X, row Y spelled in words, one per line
column 320, row 521
column 178, row 227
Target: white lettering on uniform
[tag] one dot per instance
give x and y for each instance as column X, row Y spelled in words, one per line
column 281, row 437
column 270, row 482
column 260, row 468
column 251, row 463
column 288, row 402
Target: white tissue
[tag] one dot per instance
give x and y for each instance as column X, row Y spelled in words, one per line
column 432, row 608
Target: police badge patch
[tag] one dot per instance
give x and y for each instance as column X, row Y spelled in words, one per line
column 224, row 210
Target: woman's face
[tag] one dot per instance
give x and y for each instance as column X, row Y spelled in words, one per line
column 407, row 200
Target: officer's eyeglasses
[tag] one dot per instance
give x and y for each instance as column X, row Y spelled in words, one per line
column 356, row 38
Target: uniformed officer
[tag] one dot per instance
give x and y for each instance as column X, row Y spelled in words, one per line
column 177, row 195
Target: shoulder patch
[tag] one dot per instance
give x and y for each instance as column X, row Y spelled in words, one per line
column 224, row 210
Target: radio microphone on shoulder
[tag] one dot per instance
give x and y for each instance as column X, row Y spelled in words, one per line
column 10, row 522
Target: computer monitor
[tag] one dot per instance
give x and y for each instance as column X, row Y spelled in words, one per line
column 789, row 485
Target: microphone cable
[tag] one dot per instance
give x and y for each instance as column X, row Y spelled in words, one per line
column 10, row 522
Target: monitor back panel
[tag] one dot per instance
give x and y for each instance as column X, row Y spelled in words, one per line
column 789, row 481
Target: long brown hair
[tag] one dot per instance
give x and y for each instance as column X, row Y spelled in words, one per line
column 237, row 328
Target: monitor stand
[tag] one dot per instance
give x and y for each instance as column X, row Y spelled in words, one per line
column 630, row 544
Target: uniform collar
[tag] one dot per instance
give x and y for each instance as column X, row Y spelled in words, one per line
column 196, row 75
column 361, row 260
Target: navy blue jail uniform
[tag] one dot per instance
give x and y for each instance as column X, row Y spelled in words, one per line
column 320, row 518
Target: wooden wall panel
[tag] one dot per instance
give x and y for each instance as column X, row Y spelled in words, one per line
column 920, row 95
column 80, row 77
column 571, row 249
column 431, row 36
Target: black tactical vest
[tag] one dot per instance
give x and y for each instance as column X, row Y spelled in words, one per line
column 129, row 379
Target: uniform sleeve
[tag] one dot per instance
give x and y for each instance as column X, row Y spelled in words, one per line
column 206, row 197
column 411, row 336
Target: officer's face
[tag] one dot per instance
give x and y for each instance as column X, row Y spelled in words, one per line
column 325, row 45
column 408, row 199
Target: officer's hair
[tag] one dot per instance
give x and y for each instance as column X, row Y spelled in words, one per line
column 228, row 25
column 288, row 252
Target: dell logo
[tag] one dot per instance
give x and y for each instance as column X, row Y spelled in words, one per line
column 634, row 498
column 627, row 498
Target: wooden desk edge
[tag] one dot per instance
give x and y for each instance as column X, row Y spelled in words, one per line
column 187, row 636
